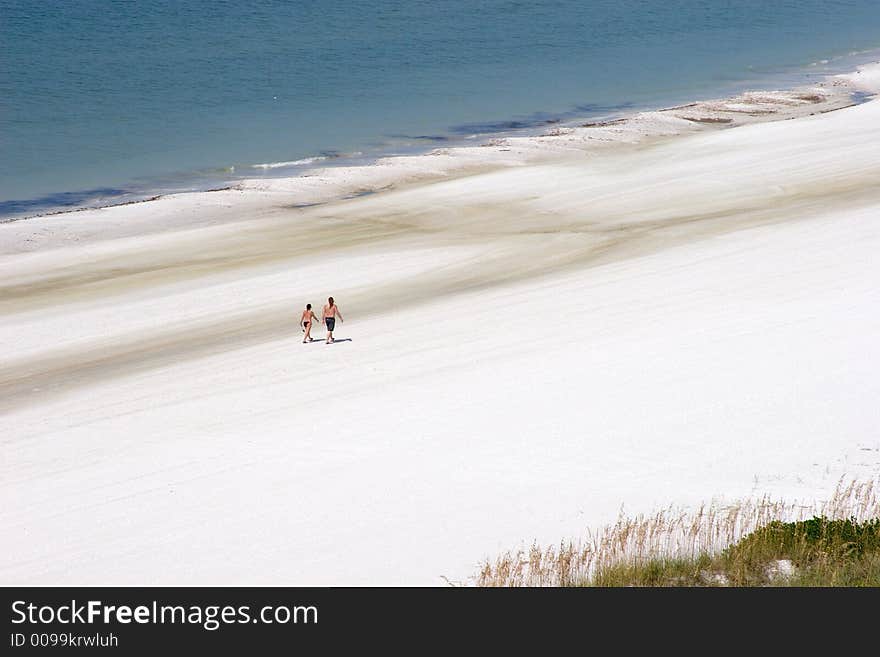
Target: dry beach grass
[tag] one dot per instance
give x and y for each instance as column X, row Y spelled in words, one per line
column 674, row 546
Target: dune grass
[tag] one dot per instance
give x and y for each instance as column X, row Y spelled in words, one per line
column 749, row 543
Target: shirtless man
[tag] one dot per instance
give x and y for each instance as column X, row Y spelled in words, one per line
column 328, row 318
column 306, row 320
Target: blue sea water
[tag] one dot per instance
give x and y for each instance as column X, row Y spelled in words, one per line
column 104, row 100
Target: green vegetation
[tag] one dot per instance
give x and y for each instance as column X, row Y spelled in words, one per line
column 748, row 543
column 814, row 552
column 822, row 552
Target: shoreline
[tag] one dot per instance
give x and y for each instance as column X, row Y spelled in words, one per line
column 549, row 136
column 201, row 181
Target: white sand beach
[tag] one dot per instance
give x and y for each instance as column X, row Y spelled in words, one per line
column 675, row 307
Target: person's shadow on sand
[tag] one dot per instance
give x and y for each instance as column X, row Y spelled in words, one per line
column 322, row 341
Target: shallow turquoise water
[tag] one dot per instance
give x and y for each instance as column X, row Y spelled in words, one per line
column 100, row 99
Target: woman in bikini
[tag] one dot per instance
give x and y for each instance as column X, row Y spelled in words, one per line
column 306, row 320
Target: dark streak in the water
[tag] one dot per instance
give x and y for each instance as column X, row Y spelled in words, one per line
column 594, row 108
column 65, row 200
column 500, row 126
column 72, row 206
column 421, row 137
column 539, row 119
column 860, row 97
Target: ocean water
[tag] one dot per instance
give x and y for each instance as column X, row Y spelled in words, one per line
column 106, row 100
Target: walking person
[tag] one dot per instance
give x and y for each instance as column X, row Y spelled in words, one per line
column 306, row 320
column 328, row 318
